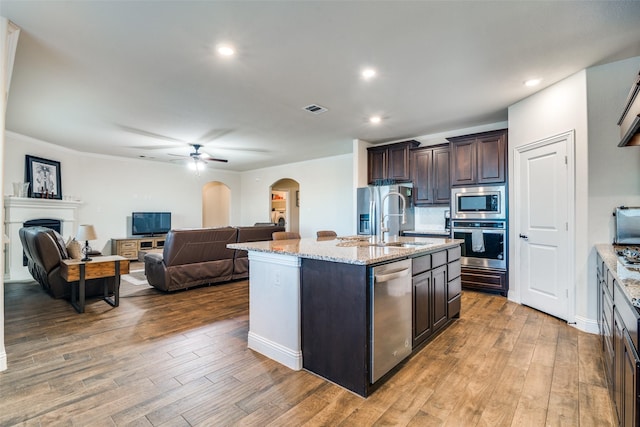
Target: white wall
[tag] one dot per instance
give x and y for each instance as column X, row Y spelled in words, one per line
column 552, row 111
column 326, row 194
column 112, row 187
column 606, row 176
column 614, row 172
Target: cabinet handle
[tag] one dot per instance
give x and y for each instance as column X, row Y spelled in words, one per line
column 522, row 236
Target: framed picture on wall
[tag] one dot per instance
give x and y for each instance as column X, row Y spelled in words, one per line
column 44, row 177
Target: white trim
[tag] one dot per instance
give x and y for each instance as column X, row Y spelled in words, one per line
column 514, row 275
column 271, row 258
column 587, row 325
column 290, row 358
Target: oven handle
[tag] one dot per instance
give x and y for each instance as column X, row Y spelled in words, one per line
column 484, row 230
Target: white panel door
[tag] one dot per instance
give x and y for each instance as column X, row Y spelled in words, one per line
column 543, row 237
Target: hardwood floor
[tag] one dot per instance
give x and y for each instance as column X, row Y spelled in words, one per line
column 182, row 359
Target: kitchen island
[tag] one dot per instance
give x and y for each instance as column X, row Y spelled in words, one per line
column 311, row 302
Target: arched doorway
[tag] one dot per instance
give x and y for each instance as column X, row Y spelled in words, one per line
column 216, row 204
column 285, row 204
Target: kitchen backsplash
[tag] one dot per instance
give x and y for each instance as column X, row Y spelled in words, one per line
column 429, row 218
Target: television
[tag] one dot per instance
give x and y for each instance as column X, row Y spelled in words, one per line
column 150, row 223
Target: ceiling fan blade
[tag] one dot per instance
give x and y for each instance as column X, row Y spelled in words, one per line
column 252, row 150
column 212, row 135
column 156, row 147
column 178, row 155
column 213, row 159
column 152, row 135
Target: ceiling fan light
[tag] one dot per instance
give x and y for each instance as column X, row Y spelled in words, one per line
column 197, row 165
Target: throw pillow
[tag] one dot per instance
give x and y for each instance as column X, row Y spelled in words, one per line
column 74, row 249
column 59, row 241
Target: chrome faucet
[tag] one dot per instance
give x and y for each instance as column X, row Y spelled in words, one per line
column 384, row 229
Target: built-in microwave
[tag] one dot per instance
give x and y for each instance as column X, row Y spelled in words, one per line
column 486, row 202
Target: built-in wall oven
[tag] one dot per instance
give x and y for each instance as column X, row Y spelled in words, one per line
column 484, row 242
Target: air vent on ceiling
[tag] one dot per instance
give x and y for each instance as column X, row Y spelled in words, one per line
column 315, row 109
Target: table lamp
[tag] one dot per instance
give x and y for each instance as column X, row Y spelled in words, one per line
column 86, row 232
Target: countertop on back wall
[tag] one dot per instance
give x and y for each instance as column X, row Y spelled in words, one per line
column 428, row 232
column 627, row 277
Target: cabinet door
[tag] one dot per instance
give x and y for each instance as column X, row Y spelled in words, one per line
column 630, row 383
column 618, row 362
column 491, row 158
column 421, row 173
column 398, row 162
column 421, row 307
column 377, row 164
column 439, row 296
column 441, row 176
column 463, row 162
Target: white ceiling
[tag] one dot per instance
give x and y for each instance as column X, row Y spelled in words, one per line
column 107, row 77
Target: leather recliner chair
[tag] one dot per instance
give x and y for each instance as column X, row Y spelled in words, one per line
column 45, row 249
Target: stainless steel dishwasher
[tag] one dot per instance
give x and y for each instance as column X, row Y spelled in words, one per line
column 390, row 316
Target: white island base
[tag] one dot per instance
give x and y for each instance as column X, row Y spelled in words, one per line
column 274, row 307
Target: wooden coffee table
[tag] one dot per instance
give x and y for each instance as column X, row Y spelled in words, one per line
column 76, row 272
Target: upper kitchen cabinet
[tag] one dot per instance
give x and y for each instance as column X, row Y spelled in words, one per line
column 430, row 175
column 390, row 162
column 479, row 158
column 630, row 121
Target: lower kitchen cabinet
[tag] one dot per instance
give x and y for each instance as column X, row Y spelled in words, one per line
column 618, row 323
column 436, row 297
column 336, row 305
column 482, row 279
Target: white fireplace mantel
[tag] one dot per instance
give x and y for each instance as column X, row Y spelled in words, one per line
column 18, row 210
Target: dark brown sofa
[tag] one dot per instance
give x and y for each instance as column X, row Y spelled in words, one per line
column 194, row 257
column 45, row 249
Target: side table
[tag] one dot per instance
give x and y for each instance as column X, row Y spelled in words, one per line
column 74, row 270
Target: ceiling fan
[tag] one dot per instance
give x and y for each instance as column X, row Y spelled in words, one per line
column 201, row 157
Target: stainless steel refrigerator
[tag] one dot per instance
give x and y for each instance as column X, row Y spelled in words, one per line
column 370, row 209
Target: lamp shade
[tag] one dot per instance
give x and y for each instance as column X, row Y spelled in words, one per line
column 86, row 232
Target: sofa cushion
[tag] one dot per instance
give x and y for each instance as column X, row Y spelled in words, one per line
column 191, row 246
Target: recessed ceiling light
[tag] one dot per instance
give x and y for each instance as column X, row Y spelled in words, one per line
column 226, row 50
column 532, row 82
column 375, row 119
column 368, row 73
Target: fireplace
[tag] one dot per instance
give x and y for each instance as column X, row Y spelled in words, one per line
column 19, row 211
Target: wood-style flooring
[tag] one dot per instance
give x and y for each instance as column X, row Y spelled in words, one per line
column 181, row 359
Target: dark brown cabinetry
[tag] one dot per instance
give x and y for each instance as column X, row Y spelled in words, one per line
column 336, row 314
column 618, row 325
column 482, row 279
column 479, row 158
column 430, row 175
column 436, row 285
column 390, row 162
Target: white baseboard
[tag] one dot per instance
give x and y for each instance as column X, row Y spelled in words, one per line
column 3, row 361
column 587, row 325
column 290, row 358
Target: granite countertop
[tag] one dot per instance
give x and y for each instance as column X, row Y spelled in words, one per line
column 627, row 277
column 348, row 250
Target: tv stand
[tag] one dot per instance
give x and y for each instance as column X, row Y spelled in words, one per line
column 130, row 246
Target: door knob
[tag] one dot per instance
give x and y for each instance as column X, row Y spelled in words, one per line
column 522, row 236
